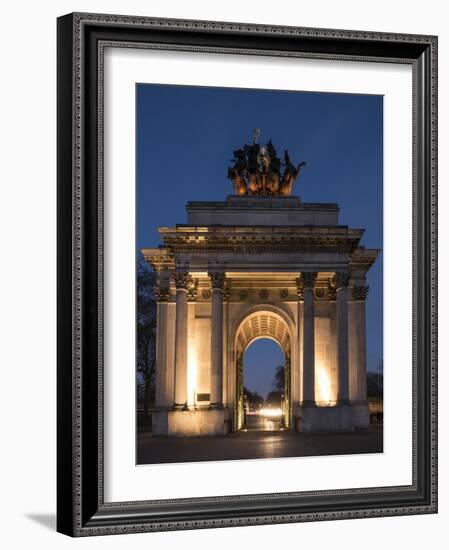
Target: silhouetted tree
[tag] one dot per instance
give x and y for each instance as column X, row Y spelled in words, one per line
column 146, row 312
column 253, row 398
column 279, row 379
column 375, row 382
column 274, row 398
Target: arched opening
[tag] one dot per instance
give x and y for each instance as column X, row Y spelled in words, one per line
column 251, row 340
column 264, row 403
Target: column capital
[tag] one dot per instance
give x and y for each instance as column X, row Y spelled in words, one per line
column 341, row 279
column 185, row 281
column 360, row 292
column 226, row 290
column 192, row 290
column 331, row 290
column 182, row 279
column 308, row 279
column 300, row 288
column 161, row 294
column 217, row 279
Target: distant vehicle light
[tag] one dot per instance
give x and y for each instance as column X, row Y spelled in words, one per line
column 270, row 412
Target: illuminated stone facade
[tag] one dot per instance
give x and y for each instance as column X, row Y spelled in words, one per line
column 260, row 267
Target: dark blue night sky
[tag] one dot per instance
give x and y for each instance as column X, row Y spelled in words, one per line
column 185, row 139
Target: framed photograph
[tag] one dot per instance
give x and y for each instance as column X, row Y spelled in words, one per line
column 246, row 274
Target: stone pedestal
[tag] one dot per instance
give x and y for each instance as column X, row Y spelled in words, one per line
column 326, row 419
column 190, row 423
column 360, row 415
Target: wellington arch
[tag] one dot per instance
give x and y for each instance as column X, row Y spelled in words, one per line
column 260, row 264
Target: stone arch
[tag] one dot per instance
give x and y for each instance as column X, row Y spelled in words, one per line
column 262, row 321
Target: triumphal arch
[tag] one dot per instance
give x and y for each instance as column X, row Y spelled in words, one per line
column 260, row 264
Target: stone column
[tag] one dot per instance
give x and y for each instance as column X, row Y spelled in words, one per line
column 217, row 280
column 308, row 282
column 162, row 296
column 332, row 301
column 183, row 282
column 341, row 284
column 296, row 353
column 359, row 294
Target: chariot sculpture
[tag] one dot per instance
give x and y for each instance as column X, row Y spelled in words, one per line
column 257, row 170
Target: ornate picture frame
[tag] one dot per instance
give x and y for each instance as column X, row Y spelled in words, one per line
column 81, row 508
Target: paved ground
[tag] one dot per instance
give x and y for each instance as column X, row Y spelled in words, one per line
column 255, row 443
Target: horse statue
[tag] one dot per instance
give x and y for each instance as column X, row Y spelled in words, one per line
column 237, row 173
column 291, row 172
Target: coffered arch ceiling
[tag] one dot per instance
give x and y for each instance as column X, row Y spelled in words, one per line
column 263, row 324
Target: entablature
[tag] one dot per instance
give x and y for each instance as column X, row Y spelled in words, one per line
column 254, row 240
